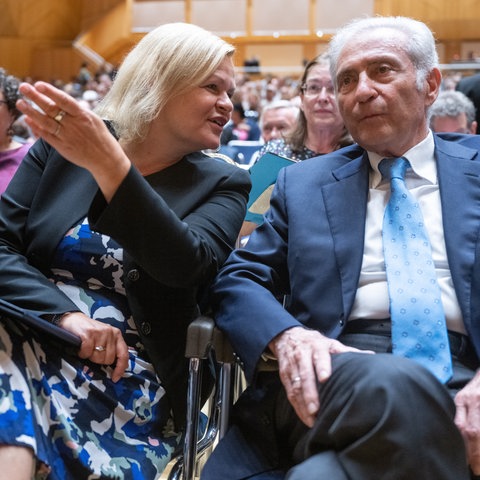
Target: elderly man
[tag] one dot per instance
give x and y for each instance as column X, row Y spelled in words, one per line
column 374, row 319
column 277, row 118
column 453, row 112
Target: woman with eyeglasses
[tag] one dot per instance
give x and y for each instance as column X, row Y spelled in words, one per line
column 319, row 128
column 11, row 150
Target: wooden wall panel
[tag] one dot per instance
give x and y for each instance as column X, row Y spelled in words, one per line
column 44, row 19
column 37, row 36
column 111, row 35
column 450, row 20
column 54, row 62
column 29, row 29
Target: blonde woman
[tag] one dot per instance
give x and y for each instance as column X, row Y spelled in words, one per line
column 112, row 230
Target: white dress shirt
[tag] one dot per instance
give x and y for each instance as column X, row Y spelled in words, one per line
column 372, row 299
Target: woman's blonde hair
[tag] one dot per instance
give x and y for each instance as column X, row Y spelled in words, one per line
column 167, row 62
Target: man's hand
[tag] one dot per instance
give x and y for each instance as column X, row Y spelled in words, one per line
column 467, row 419
column 303, row 357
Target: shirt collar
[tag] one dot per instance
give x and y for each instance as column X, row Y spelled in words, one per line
column 421, row 158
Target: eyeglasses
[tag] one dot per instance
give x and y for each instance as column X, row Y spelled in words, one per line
column 314, row 89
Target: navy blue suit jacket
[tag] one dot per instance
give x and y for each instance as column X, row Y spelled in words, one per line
column 311, row 244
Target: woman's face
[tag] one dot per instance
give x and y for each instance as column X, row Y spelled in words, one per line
column 318, row 100
column 195, row 120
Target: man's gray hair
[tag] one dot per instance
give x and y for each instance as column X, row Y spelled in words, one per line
column 419, row 42
column 451, row 103
column 277, row 105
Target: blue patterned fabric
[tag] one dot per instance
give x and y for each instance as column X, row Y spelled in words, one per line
column 79, row 423
column 418, row 321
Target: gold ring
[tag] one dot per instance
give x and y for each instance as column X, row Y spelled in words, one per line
column 57, row 131
column 100, row 348
column 59, row 116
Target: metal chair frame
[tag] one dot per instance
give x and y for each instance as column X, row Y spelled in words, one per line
column 203, row 339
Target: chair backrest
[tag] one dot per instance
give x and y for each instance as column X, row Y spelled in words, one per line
column 244, row 149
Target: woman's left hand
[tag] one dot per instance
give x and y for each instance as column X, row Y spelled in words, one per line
column 78, row 134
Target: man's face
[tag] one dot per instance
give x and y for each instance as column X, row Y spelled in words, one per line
column 276, row 122
column 378, row 97
column 456, row 124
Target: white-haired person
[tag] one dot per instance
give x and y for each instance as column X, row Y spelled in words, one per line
column 277, row 119
column 113, row 227
column 363, row 282
column 454, row 112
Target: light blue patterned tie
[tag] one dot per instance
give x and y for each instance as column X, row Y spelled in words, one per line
column 419, row 329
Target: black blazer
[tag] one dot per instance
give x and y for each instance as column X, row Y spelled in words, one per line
column 176, row 226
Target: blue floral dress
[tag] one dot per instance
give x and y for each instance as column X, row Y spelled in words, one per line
column 78, row 422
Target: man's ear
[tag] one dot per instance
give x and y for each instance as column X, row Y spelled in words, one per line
column 433, row 80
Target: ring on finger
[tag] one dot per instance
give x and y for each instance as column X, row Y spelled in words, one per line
column 57, row 131
column 296, row 379
column 100, row 348
column 59, row 116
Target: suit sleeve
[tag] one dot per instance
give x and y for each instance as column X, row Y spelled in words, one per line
column 248, row 292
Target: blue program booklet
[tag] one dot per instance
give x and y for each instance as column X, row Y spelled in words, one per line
column 263, row 174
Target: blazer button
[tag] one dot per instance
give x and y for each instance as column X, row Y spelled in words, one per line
column 133, row 275
column 146, row 328
column 265, row 419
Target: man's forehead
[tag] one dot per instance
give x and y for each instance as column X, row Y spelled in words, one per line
column 373, row 48
column 376, row 40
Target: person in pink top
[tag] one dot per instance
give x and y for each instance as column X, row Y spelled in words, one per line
column 12, row 151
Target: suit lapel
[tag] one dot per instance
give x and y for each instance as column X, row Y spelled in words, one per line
column 345, row 204
column 459, row 182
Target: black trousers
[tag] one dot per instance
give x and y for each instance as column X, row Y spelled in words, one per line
column 381, row 417
column 389, row 421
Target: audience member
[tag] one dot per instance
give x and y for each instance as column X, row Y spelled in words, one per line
column 21, row 131
column 113, row 230
column 470, row 86
column 271, row 94
column 90, row 99
column 84, row 75
column 453, row 111
column 12, row 150
column 240, row 127
column 319, row 128
column 277, row 119
column 333, row 411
